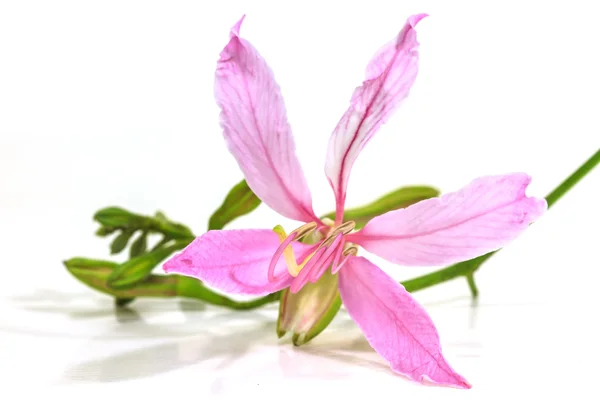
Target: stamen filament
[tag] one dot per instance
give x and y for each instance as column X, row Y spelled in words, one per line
column 325, row 261
column 285, row 249
column 336, row 268
column 302, row 276
column 338, row 256
column 327, row 254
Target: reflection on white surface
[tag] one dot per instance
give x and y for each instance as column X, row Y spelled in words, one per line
column 510, row 342
column 157, row 343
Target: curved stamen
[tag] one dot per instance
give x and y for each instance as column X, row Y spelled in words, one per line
column 287, row 251
column 350, row 250
column 327, row 253
column 336, row 268
column 317, row 272
column 284, row 248
column 302, row 276
column 336, row 260
column 325, row 260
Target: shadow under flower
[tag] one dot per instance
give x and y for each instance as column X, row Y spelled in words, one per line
column 207, row 334
column 164, row 357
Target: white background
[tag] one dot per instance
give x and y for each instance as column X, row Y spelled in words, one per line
column 111, row 103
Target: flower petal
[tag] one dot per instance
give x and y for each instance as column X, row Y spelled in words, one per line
column 235, row 261
column 483, row 216
column 256, row 129
column 395, row 325
column 390, row 75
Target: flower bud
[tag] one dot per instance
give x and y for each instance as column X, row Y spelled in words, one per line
column 306, row 313
column 116, row 217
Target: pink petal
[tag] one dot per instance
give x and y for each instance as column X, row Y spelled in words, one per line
column 256, row 129
column 235, row 261
column 483, row 216
column 390, row 75
column 395, row 325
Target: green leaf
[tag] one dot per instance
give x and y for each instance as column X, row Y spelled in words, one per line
column 115, row 217
column 95, row 273
column 240, row 200
column 120, row 242
column 139, row 245
column 137, row 269
column 395, row 200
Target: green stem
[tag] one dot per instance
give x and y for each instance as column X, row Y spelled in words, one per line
column 467, row 268
column 575, row 177
column 472, row 285
column 195, row 289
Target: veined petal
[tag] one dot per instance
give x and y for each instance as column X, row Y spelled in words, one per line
column 390, row 75
column 235, row 261
column 395, row 325
column 483, row 216
column 255, row 126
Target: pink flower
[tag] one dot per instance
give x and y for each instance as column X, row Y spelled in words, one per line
column 482, row 217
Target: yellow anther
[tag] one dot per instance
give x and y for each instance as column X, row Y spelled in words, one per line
column 350, row 249
column 304, row 230
column 288, row 252
column 345, row 228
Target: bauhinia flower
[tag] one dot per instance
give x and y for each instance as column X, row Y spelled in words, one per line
column 481, row 217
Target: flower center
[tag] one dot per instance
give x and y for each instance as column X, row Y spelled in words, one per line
column 328, row 252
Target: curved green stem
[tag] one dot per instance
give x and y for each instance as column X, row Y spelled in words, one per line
column 467, row 268
column 195, row 289
column 575, row 177
column 472, row 285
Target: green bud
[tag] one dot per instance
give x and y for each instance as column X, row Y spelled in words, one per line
column 307, row 313
column 95, row 273
column 240, row 200
column 171, row 229
column 159, row 215
column 139, row 245
column 120, row 242
column 400, row 198
column 176, row 231
column 116, row 217
column 137, row 269
column 104, row 231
